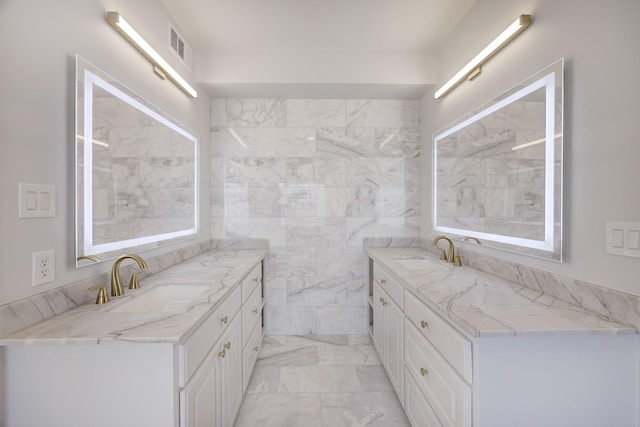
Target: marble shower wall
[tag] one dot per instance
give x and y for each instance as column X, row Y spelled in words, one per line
column 315, row 177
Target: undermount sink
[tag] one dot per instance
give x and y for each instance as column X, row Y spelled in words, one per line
column 164, row 298
column 421, row 264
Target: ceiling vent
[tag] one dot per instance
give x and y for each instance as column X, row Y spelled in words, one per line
column 179, row 46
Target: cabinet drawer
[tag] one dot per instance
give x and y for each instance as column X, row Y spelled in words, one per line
column 454, row 347
column 251, row 314
column 393, row 288
column 416, row 406
column 252, row 281
column 250, row 355
column 447, row 393
column 193, row 351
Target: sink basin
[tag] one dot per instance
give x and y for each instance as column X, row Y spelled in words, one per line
column 164, row 298
column 420, row 264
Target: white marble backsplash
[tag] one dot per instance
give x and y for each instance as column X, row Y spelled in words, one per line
column 26, row 312
column 609, row 303
column 315, row 177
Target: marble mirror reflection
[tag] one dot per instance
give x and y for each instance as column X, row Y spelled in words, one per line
column 497, row 172
column 136, row 171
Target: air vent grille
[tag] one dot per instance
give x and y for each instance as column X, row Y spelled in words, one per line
column 179, row 46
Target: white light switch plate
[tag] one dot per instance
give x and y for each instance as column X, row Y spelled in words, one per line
column 621, row 238
column 36, row 200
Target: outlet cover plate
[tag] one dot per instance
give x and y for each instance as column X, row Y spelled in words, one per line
column 44, row 267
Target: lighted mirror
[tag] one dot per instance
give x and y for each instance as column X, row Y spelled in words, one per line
column 136, row 171
column 497, row 172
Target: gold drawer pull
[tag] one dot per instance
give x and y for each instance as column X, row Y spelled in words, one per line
column 228, row 345
column 221, row 353
column 382, row 281
column 224, row 319
column 424, row 372
column 255, row 348
column 424, row 324
column 384, row 302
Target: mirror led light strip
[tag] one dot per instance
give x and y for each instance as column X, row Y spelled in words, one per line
column 136, row 39
column 547, row 83
column 91, row 80
column 473, row 67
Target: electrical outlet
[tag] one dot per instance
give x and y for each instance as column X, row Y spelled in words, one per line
column 44, row 267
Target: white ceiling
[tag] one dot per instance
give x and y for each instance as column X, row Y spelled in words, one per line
column 416, row 25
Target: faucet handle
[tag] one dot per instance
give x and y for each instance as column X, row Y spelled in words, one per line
column 134, row 283
column 443, row 255
column 457, row 261
column 102, row 297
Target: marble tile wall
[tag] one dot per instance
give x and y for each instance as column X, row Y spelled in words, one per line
column 315, row 177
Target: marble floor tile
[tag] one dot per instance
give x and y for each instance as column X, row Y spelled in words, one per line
column 381, row 409
column 373, row 378
column 320, row 381
column 287, row 356
column 352, row 355
column 280, row 410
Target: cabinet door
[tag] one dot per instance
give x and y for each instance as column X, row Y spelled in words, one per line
column 418, row 410
column 394, row 343
column 198, row 398
column 378, row 321
column 230, row 357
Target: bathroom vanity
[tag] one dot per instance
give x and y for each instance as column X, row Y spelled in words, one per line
column 465, row 348
column 142, row 361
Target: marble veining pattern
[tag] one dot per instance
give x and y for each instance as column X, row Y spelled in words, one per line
column 314, row 177
column 323, row 381
column 482, row 304
column 606, row 302
column 222, row 271
column 30, row 311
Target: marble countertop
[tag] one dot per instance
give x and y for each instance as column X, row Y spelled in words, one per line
column 99, row 324
column 481, row 304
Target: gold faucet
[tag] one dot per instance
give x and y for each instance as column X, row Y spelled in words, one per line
column 116, row 283
column 466, row 239
column 92, row 258
column 449, row 257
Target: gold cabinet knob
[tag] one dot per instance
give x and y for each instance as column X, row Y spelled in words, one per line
column 255, row 311
column 424, row 372
column 224, row 319
column 384, row 302
column 256, row 348
column 256, row 279
column 424, row 324
column 228, row 345
column 221, row 353
column 102, row 297
column 382, row 281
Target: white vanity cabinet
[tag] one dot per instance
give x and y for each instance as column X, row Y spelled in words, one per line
column 432, row 350
column 197, row 382
column 388, row 327
column 252, row 327
column 565, row 375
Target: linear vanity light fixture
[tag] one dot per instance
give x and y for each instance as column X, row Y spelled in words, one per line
column 160, row 66
column 474, row 67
